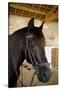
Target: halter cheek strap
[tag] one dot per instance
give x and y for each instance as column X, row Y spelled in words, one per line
column 29, row 52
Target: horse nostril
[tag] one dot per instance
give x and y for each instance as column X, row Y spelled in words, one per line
column 44, row 75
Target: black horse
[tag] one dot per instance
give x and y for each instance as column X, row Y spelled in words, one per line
column 27, row 43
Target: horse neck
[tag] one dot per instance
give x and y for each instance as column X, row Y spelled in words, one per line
column 22, row 52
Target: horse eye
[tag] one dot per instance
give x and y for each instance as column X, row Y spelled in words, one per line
column 32, row 45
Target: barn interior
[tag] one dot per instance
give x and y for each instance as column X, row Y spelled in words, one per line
column 18, row 16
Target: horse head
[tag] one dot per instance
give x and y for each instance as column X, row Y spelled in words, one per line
column 35, row 52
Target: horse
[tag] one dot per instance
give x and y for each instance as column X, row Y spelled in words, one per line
column 27, row 43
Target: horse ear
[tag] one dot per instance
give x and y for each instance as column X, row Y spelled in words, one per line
column 41, row 26
column 31, row 24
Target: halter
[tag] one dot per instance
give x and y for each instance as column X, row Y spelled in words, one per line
column 29, row 52
column 36, row 64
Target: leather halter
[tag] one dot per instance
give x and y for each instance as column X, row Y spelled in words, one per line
column 36, row 64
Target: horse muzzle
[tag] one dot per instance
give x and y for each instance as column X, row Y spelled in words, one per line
column 44, row 74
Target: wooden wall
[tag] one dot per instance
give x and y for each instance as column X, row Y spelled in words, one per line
column 55, row 58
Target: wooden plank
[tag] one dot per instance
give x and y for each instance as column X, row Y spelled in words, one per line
column 55, row 57
column 27, row 9
column 49, row 14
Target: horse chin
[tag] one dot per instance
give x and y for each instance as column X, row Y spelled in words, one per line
column 44, row 76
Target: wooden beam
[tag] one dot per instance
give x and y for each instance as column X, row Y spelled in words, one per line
column 48, row 16
column 36, row 13
column 27, row 9
column 53, row 16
